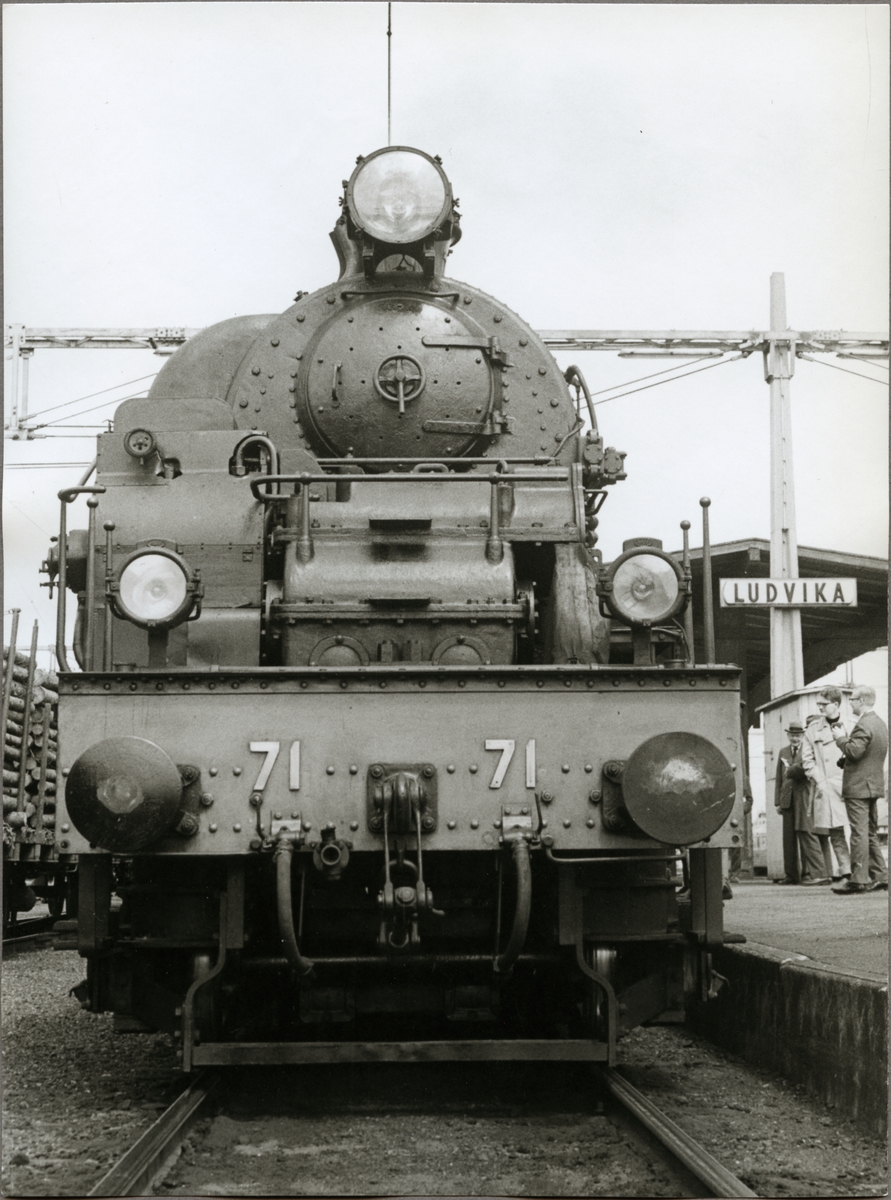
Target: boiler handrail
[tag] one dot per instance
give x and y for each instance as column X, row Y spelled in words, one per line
column 558, row 475
column 66, row 496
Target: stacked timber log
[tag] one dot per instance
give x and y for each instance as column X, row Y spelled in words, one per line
column 29, row 736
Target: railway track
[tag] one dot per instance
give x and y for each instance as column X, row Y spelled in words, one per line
column 650, row 1131
column 35, row 930
column 691, row 1161
column 148, row 1158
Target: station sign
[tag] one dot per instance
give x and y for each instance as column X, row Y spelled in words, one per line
column 788, row 593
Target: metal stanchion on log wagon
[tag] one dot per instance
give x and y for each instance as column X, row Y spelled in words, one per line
column 7, row 680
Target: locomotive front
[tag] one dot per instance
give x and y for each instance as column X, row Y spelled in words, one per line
column 367, row 742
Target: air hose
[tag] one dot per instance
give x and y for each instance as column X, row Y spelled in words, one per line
column 511, row 952
column 284, row 850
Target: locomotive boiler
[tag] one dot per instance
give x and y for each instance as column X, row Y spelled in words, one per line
column 370, row 755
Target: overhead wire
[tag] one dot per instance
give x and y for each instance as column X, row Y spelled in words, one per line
column 19, row 509
column 847, row 370
column 601, row 392
column 652, row 375
column 86, row 411
column 686, row 374
column 65, row 404
column 41, row 466
column 864, row 359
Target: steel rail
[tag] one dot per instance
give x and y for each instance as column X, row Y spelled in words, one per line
column 132, row 1174
column 694, row 1158
column 27, row 942
column 31, row 925
column 18, row 934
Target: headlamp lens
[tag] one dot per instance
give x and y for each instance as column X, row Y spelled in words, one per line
column 645, row 588
column 399, row 197
column 153, row 588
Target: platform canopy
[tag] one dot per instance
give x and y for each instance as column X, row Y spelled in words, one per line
column 830, row 636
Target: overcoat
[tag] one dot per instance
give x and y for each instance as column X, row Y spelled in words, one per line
column 819, row 757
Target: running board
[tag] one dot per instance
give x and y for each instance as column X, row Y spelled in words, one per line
column 243, row 1054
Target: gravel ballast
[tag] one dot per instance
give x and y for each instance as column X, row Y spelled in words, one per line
column 75, row 1094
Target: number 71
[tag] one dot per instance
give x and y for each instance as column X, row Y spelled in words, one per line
column 507, row 747
column 271, row 749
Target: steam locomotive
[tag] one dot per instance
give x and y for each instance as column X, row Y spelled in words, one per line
column 370, row 755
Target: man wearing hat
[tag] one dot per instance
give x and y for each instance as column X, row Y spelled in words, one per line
column 782, row 802
column 794, row 800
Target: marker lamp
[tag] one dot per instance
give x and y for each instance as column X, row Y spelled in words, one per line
column 123, row 794
column 643, row 587
column 155, row 590
column 399, row 196
column 678, row 788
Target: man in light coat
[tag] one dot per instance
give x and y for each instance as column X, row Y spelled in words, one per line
column 819, row 757
column 863, row 784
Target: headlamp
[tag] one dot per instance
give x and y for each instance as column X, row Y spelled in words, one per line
column 399, row 195
column 644, row 585
column 154, row 589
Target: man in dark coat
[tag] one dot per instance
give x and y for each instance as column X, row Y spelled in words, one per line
column 783, row 789
column 795, row 797
column 863, row 784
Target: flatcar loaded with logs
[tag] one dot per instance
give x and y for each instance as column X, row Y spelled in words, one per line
column 32, row 870
column 369, row 754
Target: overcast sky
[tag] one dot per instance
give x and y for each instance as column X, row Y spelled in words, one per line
column 618, row 166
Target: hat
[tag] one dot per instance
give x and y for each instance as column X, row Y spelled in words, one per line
column 795, row 727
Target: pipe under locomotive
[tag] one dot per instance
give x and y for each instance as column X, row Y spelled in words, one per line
column 368, row 748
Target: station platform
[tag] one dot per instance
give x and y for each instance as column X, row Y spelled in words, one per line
column 850, row 932
column 807, row 994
